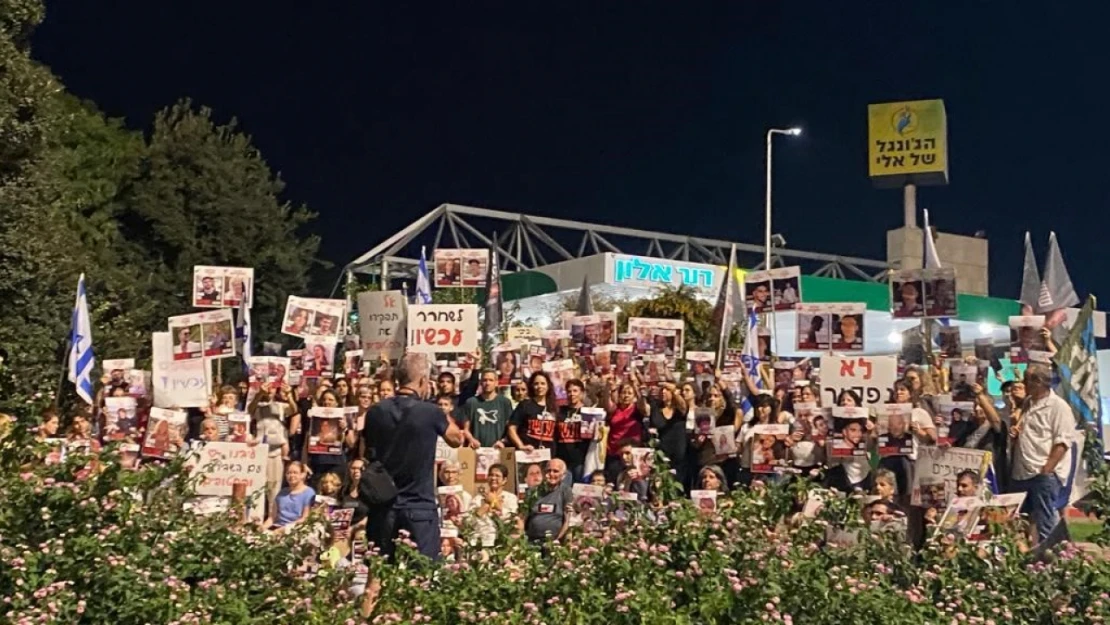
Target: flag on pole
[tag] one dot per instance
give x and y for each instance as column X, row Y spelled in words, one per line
column 423, row 285
column 243, row 333
column 1030, row 280
column 1057, row 291
column 585, row 305
column 494, row 316
column 749, row 358
column 931, row 258
column 1077, row 363
column 729, row 301
column 81, row 359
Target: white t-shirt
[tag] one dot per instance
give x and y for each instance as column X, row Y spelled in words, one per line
column 921, row 417
column 1047, row 422
column 485, row 528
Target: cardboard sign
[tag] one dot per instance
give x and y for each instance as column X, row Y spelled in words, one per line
column 443, row 328
column 176, row 383
column 223, row 466
column 940, row 466
column 381, row 322
column 871, row 377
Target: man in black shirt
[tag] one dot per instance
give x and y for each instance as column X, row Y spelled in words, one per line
column 401, row 432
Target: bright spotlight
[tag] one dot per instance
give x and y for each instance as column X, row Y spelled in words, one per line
column 795, row 131
column 895, row 337
column 986, row 329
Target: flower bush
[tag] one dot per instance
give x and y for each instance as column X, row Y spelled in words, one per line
column 89, row 542
column 748, row 563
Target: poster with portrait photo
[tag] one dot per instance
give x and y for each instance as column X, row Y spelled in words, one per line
column 306, row 316
column 768, row 448
column 658, row 336
column 506, row 359
column 786, row 287
column 532, row 359
column 116, row 369
column 585, row 333
column 961, row 380
column 847, row 326
column 848, row 437
column 893, row 423
column 704, row 500
column 218, row 333
column 559, row 371
column 138, row 382
column 318, row 358
column 475, row 267
column 950, row 346
column 529, row 468
column 325, row 436
column 940, row 292
column 952, row 412
column 121, row 419
column 813, row 332
column 724, row 440
column 763, row 343
column 812, row 422
column 187, row 337
column 165, row 433
column 758, row 291
column 222, row 287
column 1027, row 344
column 238, row 286
column 907, row 293
column 620, row 360
column 448, row 268
column 352, row 365
column 700, row 367
column 556, row 343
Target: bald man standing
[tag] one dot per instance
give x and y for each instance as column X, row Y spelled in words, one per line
column 549, row 516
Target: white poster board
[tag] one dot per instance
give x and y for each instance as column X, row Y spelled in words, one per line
column 871, row 377
column 223, row 466
column 176, row 383
column 936, row 465
column 443, row 328
column 381, row 322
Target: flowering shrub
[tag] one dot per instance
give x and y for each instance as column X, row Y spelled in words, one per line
column 89, row 542
column 747, row 564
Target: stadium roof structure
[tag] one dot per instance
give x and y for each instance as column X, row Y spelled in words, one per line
column 527, row 242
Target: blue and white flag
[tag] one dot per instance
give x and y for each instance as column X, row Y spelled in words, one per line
column 1077, row 364
column 931, row 260
column 423, row 285
column 243, row 333
column 749, row 358
column 81, row 359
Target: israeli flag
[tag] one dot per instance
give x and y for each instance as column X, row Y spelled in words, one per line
column 749, row 359
column 81, row 359
column 423, row 285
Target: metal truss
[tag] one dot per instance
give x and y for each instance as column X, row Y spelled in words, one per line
column 527, row 242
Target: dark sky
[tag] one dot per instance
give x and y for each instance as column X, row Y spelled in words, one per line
column 644, row 114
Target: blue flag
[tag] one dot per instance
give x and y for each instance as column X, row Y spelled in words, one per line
column 423, row 285
column 81, row 359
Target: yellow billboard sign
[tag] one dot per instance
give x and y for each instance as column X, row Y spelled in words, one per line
column 907, row 142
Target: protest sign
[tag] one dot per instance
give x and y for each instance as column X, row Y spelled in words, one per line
column 522, row 333
column 940, row 291
column 176, row 383
column 443, row 328
column 381, row 322
column 222, row 287
column 461, row 267
column 325, row 435
column 786, row 287
column 871, row 377
column 165, row 433
column 895, row 438
column 203, row 335
column 305, row 316
column 1026, row 342
column 223, row 466
column 658, row 336
column 847, row 326
column 120, row 417
column 814, row 329
column 936, row 465
column 114, row 367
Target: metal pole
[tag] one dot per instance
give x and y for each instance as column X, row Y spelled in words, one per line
column 767, row 208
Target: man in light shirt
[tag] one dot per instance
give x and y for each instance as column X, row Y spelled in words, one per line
column 1042, row 449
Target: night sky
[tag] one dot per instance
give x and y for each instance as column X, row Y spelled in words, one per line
column 641, row 114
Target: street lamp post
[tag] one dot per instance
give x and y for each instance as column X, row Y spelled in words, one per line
column 793, row 132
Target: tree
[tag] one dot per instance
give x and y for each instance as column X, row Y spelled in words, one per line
column 205, row 196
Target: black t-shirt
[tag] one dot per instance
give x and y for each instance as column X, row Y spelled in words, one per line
column 534, row 424
column 569, row 445
column 402, row 432
column 671, row 432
